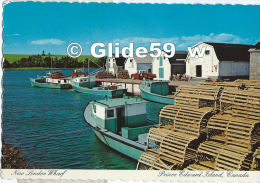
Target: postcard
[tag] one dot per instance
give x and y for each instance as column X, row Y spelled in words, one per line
column 130, row 91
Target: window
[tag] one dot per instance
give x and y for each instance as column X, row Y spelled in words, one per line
column 110, row 113
column 207, row 52
column 95, row 108
column 65, row 81
column 131, row 60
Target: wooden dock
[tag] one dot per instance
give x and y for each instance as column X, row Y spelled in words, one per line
column 133, row 85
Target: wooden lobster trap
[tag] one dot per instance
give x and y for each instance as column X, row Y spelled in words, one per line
column 230, row 158
column 209, row 150
column 242, row 103
column 183, row 119
column 221, row 84
column 256, row 160
column 197, row 96
column 240, row 132
column 202, row 165
column 173, row 150
column 251, row 84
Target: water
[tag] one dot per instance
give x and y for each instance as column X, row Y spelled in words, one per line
column 47, row 126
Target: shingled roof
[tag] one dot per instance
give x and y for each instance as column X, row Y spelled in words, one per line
column 146, row 60
column 231, row 52
column 178, row 55
column 120, row 61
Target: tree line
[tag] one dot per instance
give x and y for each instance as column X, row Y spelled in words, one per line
column 49, row 61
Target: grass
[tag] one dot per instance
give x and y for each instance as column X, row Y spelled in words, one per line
column 41, row 68
column 15, row 57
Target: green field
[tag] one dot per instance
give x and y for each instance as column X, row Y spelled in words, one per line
column 11, row 58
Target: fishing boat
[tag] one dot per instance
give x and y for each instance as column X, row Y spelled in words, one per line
column 120, row 123
column 157, row 91
column 54, row 80
column 89, row 85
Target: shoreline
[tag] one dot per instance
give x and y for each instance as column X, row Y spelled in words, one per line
column 12, row 158
column 42, row 68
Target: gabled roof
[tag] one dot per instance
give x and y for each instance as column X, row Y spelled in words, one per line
column 257, row 46
column 146, row 60
column 120, row 61
column 231, row 52
column 178, row 55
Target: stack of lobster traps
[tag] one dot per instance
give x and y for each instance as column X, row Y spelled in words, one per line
column 239, row 83
column 182, row 127
column 123, row 74
column 57, row 75
column 233, row 133
column 209, row 128
column 104, row 75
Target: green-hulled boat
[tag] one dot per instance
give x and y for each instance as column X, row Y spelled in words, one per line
column 121, row 124
column 48, row 81
column 157, row 91
column 90, row 86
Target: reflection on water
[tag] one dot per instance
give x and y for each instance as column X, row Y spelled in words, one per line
column 47, row 125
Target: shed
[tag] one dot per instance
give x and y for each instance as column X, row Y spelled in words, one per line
column 220, row 61
column 136, row 64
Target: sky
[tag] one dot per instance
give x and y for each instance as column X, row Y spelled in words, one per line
column 30, row 27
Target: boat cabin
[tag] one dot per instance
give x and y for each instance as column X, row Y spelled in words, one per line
column 123, row 116
column 84, row 81
column 160, row 87
column 58, row 80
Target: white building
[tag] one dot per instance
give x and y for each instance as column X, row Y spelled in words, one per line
column 255, row 62
column 114, row 65
column 221, row 60
column 165, row 67
column 137, row 64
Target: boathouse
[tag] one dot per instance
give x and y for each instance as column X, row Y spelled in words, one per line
column 165, row 67
column 255, row 62
column 220, row 61
column 114, row 65
column 137, row 64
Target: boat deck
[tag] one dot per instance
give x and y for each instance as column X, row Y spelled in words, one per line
column 88, row 117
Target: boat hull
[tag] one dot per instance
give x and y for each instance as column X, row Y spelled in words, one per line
column 109, row 93
column 50, row 85
column 155, row 97
column 119, row 146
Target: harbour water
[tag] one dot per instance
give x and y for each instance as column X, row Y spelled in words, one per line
column 47, row 126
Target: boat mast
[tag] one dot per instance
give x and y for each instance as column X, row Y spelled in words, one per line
column 88, row 74
column 51, row 65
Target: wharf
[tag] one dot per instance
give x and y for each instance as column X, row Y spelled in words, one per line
column 133, row 85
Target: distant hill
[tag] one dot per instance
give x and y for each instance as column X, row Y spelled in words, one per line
column 16, row 57
column 55, row 61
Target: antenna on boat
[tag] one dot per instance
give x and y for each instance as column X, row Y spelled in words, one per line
column 88, row 74
column 51, row 65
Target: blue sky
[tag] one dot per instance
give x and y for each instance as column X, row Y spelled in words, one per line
column 30, row 27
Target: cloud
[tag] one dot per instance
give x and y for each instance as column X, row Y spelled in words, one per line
column 184, row 41
column 47, row 41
